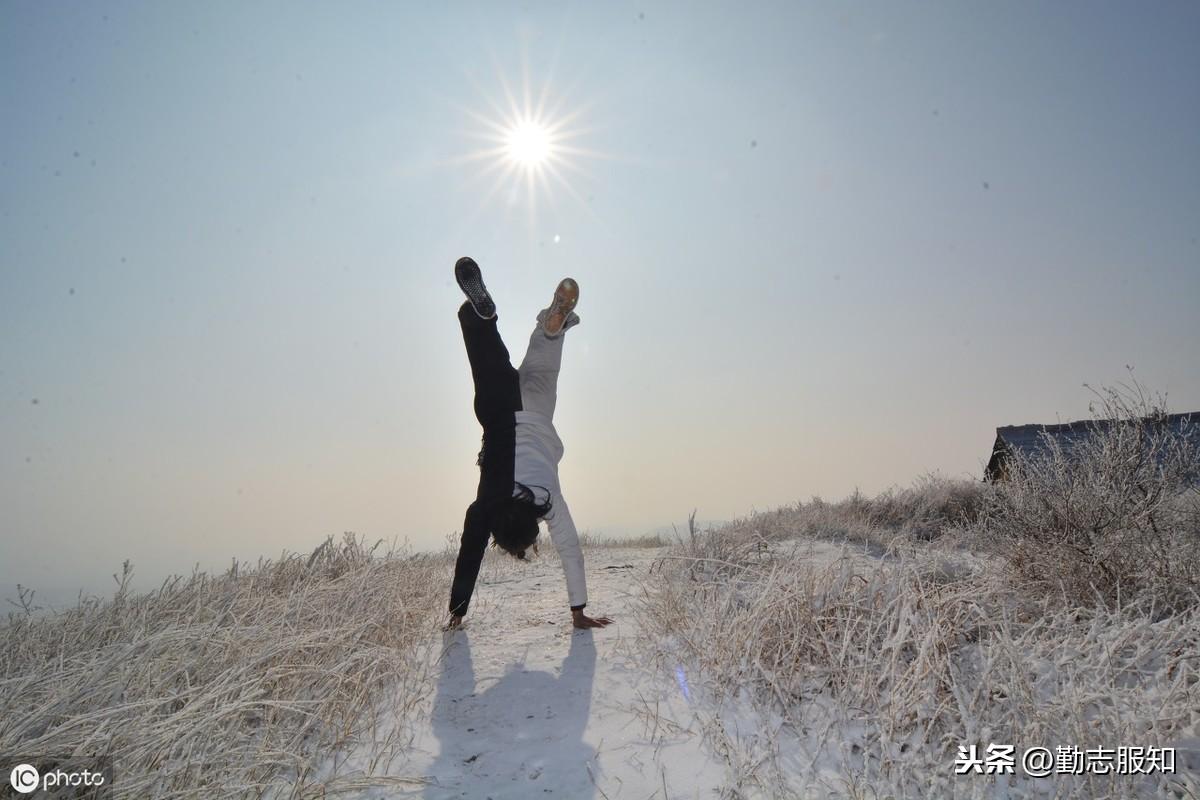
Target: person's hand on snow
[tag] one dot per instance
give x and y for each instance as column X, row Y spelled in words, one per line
column 581, row 620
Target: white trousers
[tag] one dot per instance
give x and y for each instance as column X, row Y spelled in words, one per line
column 539, row 371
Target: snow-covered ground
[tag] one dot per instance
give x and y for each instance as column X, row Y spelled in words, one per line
column 521, row 705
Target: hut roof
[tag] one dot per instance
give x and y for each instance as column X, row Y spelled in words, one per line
column 1030, row 441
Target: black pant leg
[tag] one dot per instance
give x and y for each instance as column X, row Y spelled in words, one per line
column 497, row 384
column 497, row 399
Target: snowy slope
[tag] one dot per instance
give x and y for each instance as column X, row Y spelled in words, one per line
column 521, row 705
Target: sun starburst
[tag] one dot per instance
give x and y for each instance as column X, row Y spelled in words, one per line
column 531, row 150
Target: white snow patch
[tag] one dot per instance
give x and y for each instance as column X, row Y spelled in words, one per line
column 521, row 705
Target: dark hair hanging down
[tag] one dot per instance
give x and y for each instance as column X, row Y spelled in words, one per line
column 515, row 523
column 525, row 495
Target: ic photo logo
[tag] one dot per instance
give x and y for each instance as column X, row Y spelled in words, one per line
column 90, row 777
column 24, row 778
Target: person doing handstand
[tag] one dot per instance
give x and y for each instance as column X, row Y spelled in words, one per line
column 518, row 465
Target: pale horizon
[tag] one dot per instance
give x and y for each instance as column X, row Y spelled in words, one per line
column 820, row 248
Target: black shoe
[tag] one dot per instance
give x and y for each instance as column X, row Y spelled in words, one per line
column 470, row 280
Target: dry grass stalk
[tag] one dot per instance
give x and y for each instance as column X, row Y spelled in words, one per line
column 236, row 684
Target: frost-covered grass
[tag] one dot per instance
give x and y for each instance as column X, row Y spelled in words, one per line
column 239, row 684
column 933, row 507
column 1058, row 609
column 591, row 540
column 877, row 670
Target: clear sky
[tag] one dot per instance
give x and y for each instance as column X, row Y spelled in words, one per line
column 821, row 246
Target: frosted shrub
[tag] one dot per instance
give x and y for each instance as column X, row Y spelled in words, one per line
column 1111, row 518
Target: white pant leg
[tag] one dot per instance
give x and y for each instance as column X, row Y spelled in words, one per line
column 539, row 372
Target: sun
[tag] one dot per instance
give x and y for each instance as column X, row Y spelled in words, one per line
column 529, row 144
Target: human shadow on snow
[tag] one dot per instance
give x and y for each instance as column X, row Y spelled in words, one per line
column 522, row 736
